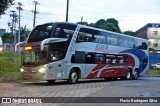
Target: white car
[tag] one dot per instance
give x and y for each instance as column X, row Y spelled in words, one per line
column 157, row 65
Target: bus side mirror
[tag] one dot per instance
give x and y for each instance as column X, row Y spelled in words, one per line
column 144, row 46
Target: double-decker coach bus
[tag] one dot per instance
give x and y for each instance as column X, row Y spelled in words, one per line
column 70, row 51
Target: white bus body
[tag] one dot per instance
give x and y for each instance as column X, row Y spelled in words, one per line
column 82, row 52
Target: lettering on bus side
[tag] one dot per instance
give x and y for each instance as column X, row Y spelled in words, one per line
column 101, row 47
column 74, row 40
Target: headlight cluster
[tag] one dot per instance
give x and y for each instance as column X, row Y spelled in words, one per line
column 22, row 70
column 1, row 48
column 42, row 70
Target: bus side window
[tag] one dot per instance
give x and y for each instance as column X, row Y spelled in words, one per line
column 108, row 61
column 121, row 61
column 114, row 61
column 89, row 58
column 73, row 59
column 99, row 59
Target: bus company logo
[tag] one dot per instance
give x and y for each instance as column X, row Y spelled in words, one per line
column 6, row 100
column 101, row 48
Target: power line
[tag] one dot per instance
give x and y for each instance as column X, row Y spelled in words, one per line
column 35, row 11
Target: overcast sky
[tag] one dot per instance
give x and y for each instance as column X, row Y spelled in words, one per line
column 131, row 14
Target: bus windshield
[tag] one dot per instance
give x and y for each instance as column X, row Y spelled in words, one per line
column 34, row 58
column 51, row 30
column 40, row 32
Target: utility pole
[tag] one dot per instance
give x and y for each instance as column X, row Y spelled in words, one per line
column 67, row 8
column 14, row 20
column 35, row 11
column 19, row 8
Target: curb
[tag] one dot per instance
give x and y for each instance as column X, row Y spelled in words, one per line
column 8, row 79
column 151, row 76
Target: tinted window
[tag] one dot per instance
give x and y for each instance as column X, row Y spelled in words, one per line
column 89, row 58
column 123, row 41
column 64, row 31
column 112, row 39
column 131, row 43
column 40, row 32
column 90, row 35
column 99, row 59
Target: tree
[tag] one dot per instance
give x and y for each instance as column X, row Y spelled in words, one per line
column 110, row 24
column 100, row 22
column 129, row 33
column 4, row 4
column 115, row 22
column 7, row 38
column 109, row 27
column 93, row 25
column 24, row 32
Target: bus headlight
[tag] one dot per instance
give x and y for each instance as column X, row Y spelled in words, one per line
column 1, row 48
column 22, row 70
column 42, row 70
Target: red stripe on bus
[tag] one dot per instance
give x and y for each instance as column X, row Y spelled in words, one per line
column 95, row 70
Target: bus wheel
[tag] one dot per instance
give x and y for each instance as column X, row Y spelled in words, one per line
column 73, row 77
column 135, row 75
column 51, row 81
column 128, row 74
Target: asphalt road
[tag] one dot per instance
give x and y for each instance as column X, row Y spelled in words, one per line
column 143, row 87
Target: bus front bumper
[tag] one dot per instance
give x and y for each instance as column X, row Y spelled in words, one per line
column 32, row 76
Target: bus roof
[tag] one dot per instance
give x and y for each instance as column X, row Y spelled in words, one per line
column 94, row 29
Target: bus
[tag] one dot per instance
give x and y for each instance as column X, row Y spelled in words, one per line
column 68, row 51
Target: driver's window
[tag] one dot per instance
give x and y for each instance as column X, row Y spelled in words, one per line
column 56, row 55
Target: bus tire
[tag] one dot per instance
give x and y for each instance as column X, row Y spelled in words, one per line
column 51, row 81
column 135, row 74
column 128, row 75
column 73, row 77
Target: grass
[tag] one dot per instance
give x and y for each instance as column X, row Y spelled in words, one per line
column 9, row 65
column 153, row 71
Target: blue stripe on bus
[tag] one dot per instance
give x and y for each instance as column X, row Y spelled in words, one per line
column 140, row 55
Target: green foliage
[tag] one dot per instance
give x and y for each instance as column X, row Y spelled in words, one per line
column 9, row 64
column 110, row 24
column 100, row 22
column 7, row 38
column 109, row 27
column 93, row 25
column 153, row 71
column 24, row 32
column 4, row 4
column 129, row 33
column 114, row 22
